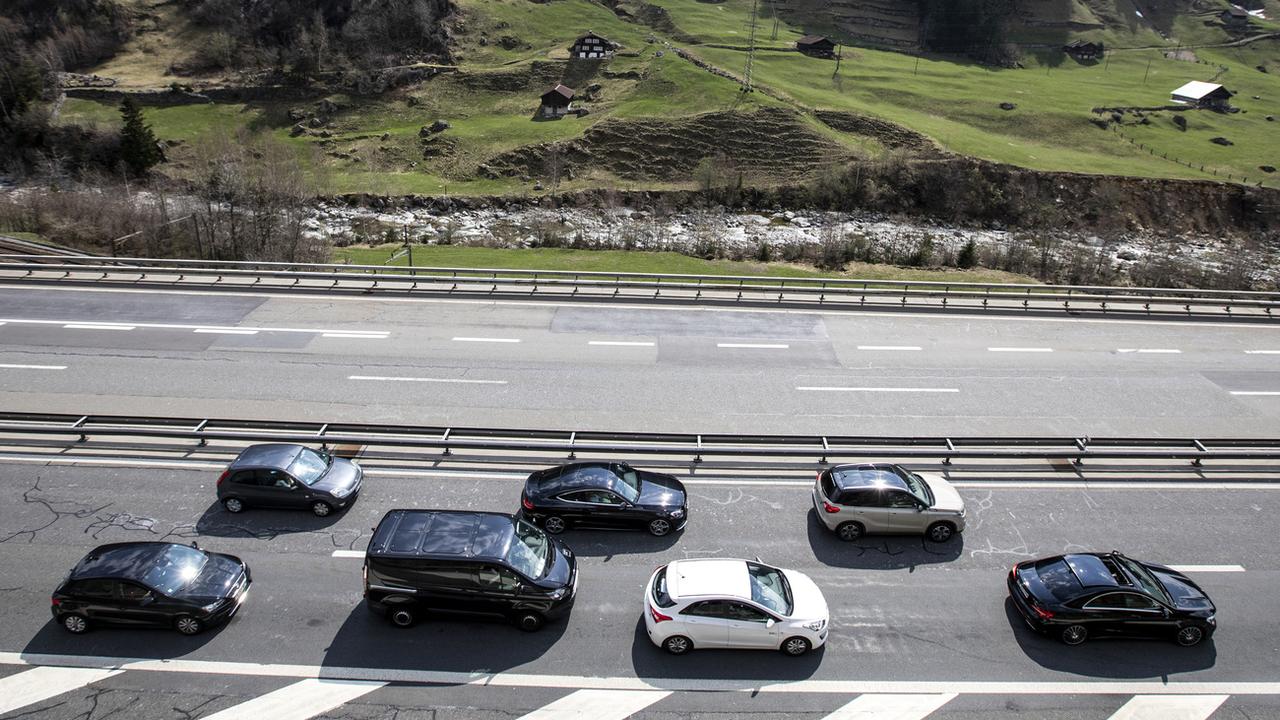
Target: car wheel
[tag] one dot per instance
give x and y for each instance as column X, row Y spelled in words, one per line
column 530, row 622
column 321, row 508
column 659, row 527
column 677, row 644
column 1074, row 634
column 188, row 625
column 75, row 624
column 795, row 646
column 402, row 617
column 233, row 505
column 554, row 524
column 849, row 531
column 940, row 532
column 1189, row 636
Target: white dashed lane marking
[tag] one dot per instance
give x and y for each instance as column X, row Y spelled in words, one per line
column 8, row 366
column 817, row 388
column 224, row 331
column 1207, row 568
column 905, row 348
column 95, row 326
column 1256, row 393
column 486, row 340
column 620, row 343
column 460, row 381
column 753, row 346
column 890, row 706
column 1150, row 351
column 1020, row 349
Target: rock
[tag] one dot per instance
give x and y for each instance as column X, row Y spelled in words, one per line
column 509, row 42
column 1262, row 68
column 326, row 107
column 1181, row 122
column 297, row 114
column 484, row 41
column 297, row 130
column 1127, row 255
column 658, row 54
column 440, row 126
column 325, row 134
column 316, row 122
column 537, row 187
column 386, row 137
column 1221, row 141
column 583, row 112
column 1007, row 106
column 1255, row 97
column 1267, row 168
column 424, row 132
column 1271, row 118
column 412, row 101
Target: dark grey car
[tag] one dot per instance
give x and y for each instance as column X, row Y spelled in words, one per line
column 289, row 476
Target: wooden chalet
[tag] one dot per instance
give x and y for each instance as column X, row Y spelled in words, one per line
column 1202, row 94
column 556, row 102
column 816, row 46
column 1235, row 17
column 591, row 47
column 1084, row 50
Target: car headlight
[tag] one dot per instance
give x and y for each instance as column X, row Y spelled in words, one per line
column 558, row 594
column 816, row 625
column 1212, row 619
column 341, row 492
column 212, row 606
column 677, row 514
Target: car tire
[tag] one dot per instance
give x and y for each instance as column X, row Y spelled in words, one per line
column 940, row 532
column 554, row 524
column 1189, row 636
column 1074, row 634
column 321, row 508
column 188, row 625
column 850, row 531
column 795, row 646
column 677, row 645
column 233, row 505
column 74, row 623
column 530, row 621
column 402, row 616
column 659, row 527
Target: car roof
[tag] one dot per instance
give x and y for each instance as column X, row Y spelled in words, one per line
column 272, row 455
column 122, row 560
column 1091, row 571
column 577, row 476
column 868, row 476
column 708, row 577
column 443, row 534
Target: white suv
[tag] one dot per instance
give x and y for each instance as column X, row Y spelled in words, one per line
column 713, row 603
column 857, row 500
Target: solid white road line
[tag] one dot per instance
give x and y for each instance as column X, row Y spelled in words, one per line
column 486, row 340
column 592, row 682
column 348, row 553
column 8, row 366
column 224, row 331
column 38, row 684
column 426, row 380
column 299, row 701
column 753, row 346
column 1207, row 568
column 1151, row 351
column 885, row 706
column 1169, row 707
column 814, row 388
column 890, row 347
column 1246, row 352
column 94, row 326
column 173, row 326
column 1020, row 349
column 619, row 343
column 1256, row 393
column 597, row 705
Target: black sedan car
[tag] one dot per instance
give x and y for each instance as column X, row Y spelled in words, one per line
column 604, row 495
column 151, row 584
column 289, row 476
column 1090, row 595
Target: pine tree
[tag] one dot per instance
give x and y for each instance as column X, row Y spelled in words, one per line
column 138, row 145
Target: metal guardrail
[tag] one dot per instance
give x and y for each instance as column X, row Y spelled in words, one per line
column 801, row 450
column 642, row 287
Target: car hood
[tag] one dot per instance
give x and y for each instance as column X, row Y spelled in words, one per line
column 809, row 602
column 945, row 496
column 220, row 575
column 1185, row 593
column 562, row 565
column 658, row 490
column 342, row 475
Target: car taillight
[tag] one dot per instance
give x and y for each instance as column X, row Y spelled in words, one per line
column 657, row 616
column 1044, row 614
column 225, row 474
column 526, row 502
column 55, row 601
column 829, row 507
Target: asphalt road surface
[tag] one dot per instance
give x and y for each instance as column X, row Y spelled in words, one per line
column 587, row 367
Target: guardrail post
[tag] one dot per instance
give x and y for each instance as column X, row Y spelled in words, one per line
column 324, row 444
column 573, row 438
column 200, row 428
column 697, row 458
column 825, row 449
column 83, row 419
column 445, row 440
column 1083, row 445
column 951, row 447
column 1199, row 446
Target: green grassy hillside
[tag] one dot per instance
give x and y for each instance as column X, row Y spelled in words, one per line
column 510, row 51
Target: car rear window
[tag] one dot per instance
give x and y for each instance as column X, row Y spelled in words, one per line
column 660, row 594
column 828, row 485
column 1059, row 580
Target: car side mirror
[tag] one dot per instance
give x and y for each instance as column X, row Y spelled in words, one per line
column 770, row 623
column 148, row 599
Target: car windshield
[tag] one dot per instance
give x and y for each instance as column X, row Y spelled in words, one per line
column 309, row 466
column 630, row 482
column 530, row 552
column 1144, row 578
column 177, row 566
column 769, row 588
column 918, row 487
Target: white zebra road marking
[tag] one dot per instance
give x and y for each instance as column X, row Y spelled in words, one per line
column 299, row 701
column 888, row 706
column 1169, row 707
column 39, row 684
column 597, row 705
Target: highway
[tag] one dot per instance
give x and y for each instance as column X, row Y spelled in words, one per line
column 918, row 630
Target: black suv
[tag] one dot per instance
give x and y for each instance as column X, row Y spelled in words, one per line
column 289, row 476
column 426, row 561
column 151, row 584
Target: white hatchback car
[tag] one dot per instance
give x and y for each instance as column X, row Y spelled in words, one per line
column 714, row 603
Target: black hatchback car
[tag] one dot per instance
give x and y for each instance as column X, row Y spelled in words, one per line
column 1090, row 595
column 605, row 495
column 151, row 584
column 422, row 562
column 289, row 476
